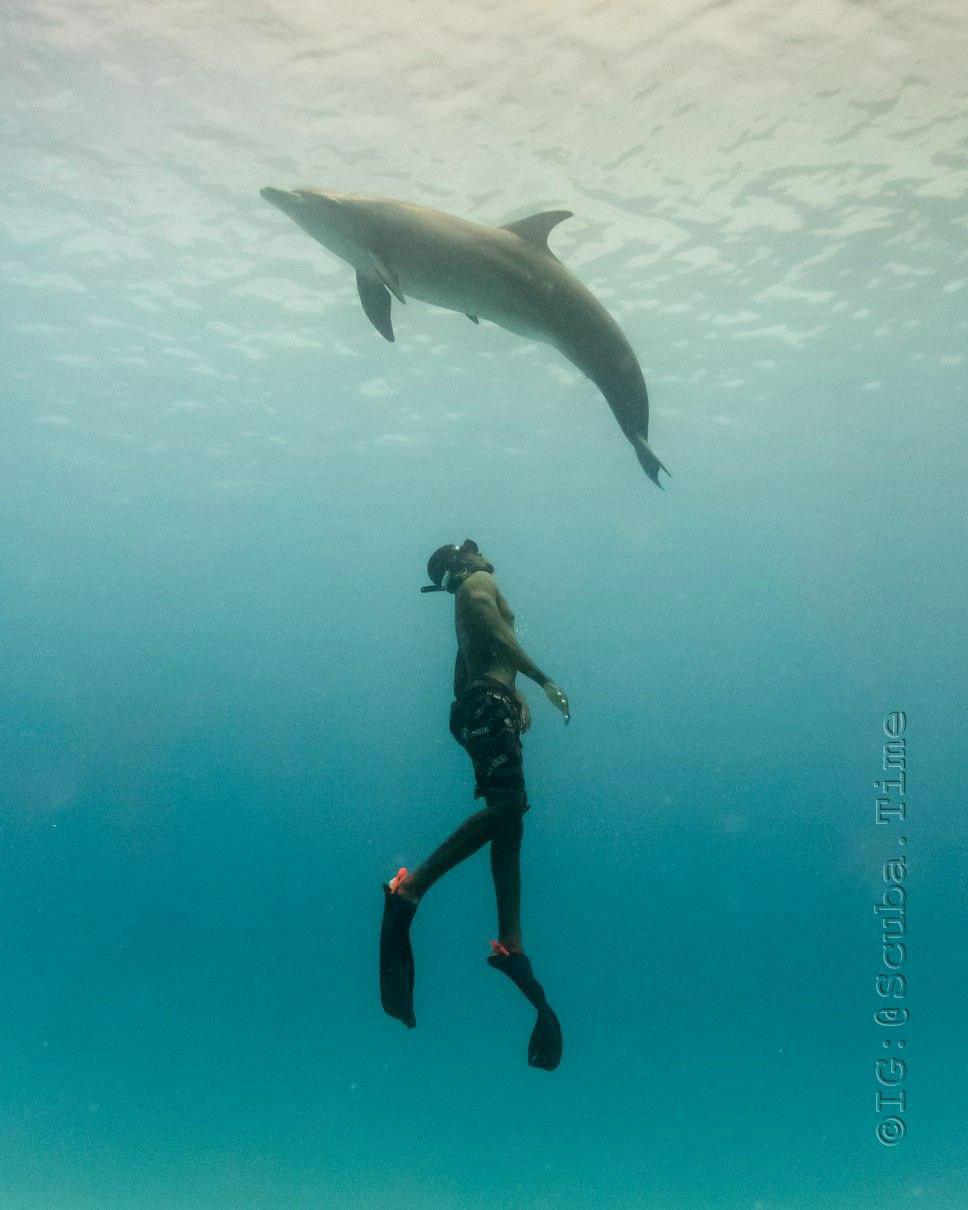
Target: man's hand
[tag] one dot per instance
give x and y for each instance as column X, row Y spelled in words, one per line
column 557, row 697
column 524, row 711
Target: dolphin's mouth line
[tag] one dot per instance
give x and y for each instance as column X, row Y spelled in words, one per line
column 287, row 200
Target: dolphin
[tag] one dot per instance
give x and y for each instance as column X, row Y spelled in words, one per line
column 505, row 274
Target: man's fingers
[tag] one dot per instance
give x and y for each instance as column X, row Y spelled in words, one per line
column 559, row 699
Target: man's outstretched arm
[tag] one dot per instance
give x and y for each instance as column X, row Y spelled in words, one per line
column 480, row 612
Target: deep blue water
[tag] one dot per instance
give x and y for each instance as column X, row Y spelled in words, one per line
column 223, row 702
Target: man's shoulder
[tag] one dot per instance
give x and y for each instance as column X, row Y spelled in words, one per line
column 478, row 583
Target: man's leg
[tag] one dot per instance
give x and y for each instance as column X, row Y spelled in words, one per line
column 506, row 871
column 474, row 832
column 545, row 1044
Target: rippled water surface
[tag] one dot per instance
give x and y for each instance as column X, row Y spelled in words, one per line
column 223, row 702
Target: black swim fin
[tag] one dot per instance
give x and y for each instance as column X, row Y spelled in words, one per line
column 396, row 958
column 545, row 1046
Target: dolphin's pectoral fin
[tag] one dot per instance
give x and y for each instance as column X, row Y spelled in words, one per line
column 536, row 229
column 376, row 303
column 387, row 276
column 473, row 319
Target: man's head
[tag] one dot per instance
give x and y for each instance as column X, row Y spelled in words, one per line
column 449, row 566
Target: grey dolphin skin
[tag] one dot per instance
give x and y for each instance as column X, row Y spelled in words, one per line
column 505, row 274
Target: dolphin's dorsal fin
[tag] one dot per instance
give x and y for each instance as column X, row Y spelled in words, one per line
column 536, row 228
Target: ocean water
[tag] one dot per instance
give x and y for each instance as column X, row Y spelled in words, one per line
column 223, row 702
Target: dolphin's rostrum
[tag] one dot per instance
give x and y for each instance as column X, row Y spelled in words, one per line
column 505, row 274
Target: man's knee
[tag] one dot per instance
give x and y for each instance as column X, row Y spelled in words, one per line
column 507, row 810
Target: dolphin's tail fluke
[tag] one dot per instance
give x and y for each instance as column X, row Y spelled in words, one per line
column 647, row 460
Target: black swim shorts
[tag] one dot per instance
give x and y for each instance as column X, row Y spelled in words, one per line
column 486, row 721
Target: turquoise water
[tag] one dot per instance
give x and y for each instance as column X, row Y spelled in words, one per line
column 224, row 702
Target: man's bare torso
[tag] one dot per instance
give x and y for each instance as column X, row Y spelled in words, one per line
column 478, row 652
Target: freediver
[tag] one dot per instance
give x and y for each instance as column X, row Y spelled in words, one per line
column 487, row 719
